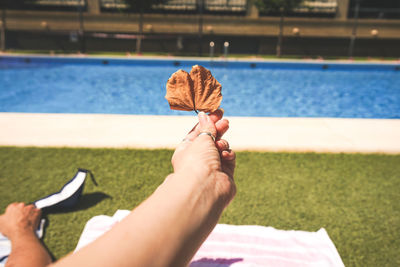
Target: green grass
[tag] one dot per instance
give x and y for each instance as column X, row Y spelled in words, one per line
column 356, row 198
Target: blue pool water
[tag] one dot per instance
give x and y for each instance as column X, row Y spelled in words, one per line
column 59, row 85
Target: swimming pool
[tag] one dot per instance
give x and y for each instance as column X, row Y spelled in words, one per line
column 267, row 89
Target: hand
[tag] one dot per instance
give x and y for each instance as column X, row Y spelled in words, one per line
column 19, row 219
column 198, row 157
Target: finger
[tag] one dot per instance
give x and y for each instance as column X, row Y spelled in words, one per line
column 214, row 116
column 228, row 155
column 12, row 206
column 38, row 215
column 222, row 145
column 206, row 125
column 32, row 208
column 222, row 126
column 38, row 212
column 194, row 128
column 228, row 162
column 193, row 134
column 35, row 217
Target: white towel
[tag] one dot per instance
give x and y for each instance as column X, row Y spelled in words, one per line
column 98, row 225
column 244, row 245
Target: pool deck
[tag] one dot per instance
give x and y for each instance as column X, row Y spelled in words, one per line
column 246, row 133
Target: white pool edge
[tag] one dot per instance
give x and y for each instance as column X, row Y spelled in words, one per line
column 246, row 133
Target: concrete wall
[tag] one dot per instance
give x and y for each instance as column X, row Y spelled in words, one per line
column 306, row 47
column 247, row 35
column 188, row 24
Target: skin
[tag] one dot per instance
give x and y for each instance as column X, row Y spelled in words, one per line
column 168, row 228
column 18, row 224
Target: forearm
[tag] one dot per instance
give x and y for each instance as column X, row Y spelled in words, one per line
column 27, row 250
column 165, row 230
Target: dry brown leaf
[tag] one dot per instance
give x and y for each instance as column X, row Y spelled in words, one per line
column 198, row 91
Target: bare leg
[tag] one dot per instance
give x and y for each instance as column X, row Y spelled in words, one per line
column 18, row 223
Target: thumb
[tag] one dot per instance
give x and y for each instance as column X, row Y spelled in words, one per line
column 206, row 124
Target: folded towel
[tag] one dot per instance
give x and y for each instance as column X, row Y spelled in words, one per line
column 243, row 245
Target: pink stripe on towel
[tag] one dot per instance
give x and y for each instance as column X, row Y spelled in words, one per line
column 309, row 255
column 234, row 245
column 275, row 241
column 244, row 245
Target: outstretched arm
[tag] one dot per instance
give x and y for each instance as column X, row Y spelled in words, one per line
column 19, row 223
column 169, row 227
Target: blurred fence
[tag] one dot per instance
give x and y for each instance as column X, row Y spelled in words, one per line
column 69, row 3
column 208, row 6
column 376, row 13
column 41, row 4
column 320, row 6
column 311, row 8
column 186, row 5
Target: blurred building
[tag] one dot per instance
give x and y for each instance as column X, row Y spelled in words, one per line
column 187, row 27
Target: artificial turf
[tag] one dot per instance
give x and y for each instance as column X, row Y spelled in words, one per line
column 355, row 197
